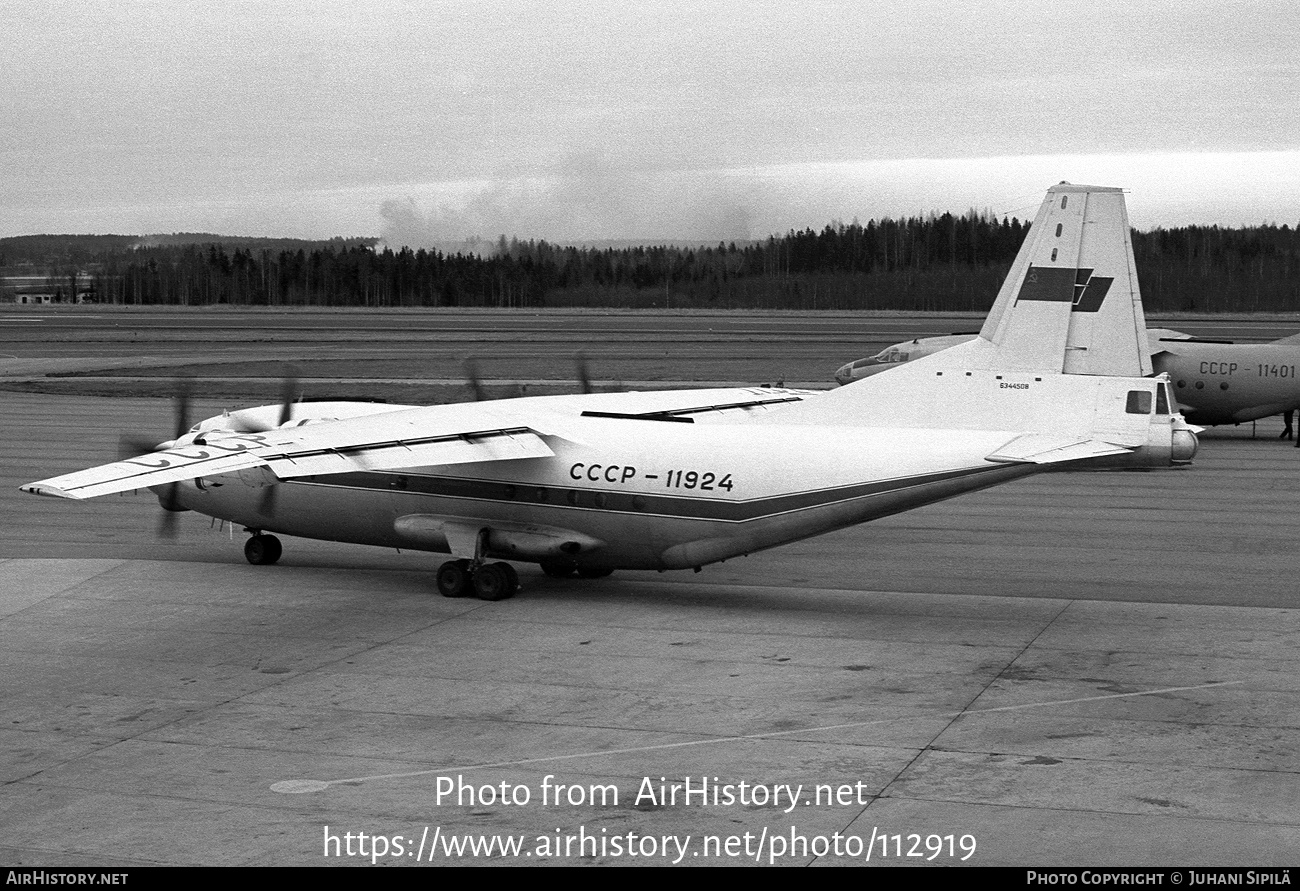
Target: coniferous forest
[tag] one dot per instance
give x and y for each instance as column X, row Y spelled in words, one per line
column 936, row 263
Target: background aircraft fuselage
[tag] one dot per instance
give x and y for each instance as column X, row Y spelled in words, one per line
column 1228, row 383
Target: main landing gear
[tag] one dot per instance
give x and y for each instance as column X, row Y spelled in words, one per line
column 262, row 549
column 487, row 581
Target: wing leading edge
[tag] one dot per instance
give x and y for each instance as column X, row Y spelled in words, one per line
column 464, row 433
column 259, row 462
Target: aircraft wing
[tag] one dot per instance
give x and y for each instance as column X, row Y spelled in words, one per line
column 1042, row 448
column 153, row 469
column 461, row 433
column 372, row 443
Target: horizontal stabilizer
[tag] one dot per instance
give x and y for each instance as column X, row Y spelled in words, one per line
column 1043, row 448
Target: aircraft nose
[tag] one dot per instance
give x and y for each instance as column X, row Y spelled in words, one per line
column 1184, row 448
column 844, row 375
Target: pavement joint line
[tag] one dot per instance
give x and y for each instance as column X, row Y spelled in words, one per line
column 298, row 787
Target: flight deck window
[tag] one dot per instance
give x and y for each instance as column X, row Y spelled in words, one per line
column 1162, row 402
column 1139, row 402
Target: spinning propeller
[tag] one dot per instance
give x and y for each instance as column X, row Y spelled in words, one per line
column 475, row 382
column 288, row 393
column 584, row 373
column 130, row 445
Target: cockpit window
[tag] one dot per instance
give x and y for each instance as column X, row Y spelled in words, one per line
column 1162, row 401
column 1139, row 402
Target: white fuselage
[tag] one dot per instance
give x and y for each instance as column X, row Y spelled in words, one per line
column 1214, row 383
column 651, row 495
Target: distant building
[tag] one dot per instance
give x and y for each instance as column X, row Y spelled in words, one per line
column 30, row 288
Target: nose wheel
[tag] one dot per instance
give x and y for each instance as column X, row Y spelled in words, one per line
column 262, row 549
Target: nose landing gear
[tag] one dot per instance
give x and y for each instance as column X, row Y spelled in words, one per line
column 262, row 549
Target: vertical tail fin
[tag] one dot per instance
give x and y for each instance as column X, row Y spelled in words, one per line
column 1070, row 303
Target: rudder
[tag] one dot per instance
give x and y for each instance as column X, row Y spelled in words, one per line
column 1070, row 303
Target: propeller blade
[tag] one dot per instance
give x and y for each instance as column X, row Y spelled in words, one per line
column 167, row 523
column 266, row 504
column 181, row 406
column 169, row 500
column 129, row 445
column 584, row 373
column 288, row 393
column 473, row 380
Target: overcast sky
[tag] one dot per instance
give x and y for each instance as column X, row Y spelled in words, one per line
column 431, row 121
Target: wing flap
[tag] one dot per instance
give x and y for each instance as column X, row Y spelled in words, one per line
column 463, row 448
column 1041, row 448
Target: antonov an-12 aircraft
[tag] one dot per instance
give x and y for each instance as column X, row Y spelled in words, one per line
column 1216, row 381
column 586, row 484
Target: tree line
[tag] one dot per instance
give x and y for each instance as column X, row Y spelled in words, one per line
column 933, row 263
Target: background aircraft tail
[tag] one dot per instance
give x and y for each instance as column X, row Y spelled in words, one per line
column 1070, row 303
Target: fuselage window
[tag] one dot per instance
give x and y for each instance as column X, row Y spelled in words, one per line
column 1139, row 402
column 1058, row 231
